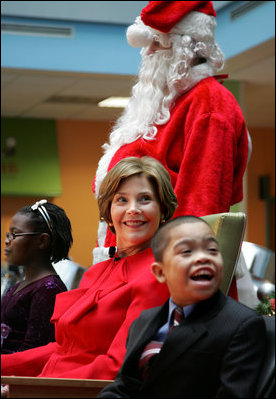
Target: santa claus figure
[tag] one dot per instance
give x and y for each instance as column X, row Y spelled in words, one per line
column 180, row 113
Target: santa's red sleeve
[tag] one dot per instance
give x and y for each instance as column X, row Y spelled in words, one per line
column 211, row 170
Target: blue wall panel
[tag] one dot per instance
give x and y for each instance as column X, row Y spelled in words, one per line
column 93, row 48
column 103, row 48
column 249, row 30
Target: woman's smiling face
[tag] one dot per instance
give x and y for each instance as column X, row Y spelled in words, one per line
column 135, row 213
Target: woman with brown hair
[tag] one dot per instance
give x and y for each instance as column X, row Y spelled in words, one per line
column 92, row 322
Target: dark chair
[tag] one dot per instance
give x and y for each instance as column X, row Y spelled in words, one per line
column 266, row 381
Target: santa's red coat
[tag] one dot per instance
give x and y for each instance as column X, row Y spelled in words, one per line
column 204, row 147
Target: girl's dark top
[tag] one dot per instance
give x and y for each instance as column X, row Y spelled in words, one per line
column 26, row 314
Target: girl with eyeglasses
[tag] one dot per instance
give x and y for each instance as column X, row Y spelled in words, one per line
column 39, row 236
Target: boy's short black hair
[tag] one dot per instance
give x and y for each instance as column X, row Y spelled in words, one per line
column 160, row 239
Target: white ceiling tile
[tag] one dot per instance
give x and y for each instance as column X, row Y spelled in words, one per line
column 53, row 111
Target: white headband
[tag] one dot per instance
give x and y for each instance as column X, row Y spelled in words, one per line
column 39, row 206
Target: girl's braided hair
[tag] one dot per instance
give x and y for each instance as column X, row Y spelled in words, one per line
column 61, row 235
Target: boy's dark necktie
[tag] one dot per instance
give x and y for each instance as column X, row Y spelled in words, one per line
column 153, row 347
column 177, row 317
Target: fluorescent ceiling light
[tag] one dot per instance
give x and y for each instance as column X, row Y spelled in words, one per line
column 114, row 102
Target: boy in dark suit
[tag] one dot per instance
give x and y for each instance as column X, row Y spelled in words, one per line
column 216, row 349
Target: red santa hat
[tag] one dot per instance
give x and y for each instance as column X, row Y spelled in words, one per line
column 194, row 18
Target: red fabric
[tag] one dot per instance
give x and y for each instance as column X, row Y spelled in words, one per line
column 233, row 290
column 204, row 147
column 92, row 322
column 163, row 15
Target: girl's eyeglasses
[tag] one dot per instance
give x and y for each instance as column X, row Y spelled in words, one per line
column 12, row 236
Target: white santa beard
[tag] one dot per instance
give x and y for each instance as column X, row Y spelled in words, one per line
column 145, row 103
column 138, row 118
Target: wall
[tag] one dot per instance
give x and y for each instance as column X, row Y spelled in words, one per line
column 105, row 36
column 79, row 145
column 262, row 162
column 80, row 150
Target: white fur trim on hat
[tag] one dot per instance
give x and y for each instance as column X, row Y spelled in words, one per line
column 138, row 34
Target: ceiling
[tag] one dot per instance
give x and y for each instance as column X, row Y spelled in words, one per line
column 59, row 95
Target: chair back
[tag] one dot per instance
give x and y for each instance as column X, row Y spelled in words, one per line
column 229, row 228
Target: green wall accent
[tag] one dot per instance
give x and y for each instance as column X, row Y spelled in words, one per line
column 236, row 208
column 234, row 87
column 32, row 168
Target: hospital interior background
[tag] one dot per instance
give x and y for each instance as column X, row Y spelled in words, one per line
column 60, row 59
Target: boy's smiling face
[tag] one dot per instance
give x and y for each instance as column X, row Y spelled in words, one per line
column 192, row 263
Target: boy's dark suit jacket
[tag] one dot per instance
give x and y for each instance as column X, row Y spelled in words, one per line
column 216, row 352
